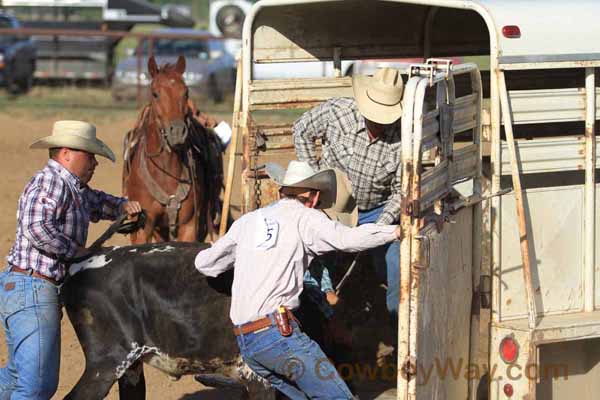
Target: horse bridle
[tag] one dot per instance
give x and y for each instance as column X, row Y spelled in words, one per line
column 163, row 135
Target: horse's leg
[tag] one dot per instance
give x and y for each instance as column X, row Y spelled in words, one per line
column 132, row 385
column 187, row 232
column 144, row 235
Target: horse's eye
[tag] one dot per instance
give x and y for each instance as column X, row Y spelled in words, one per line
column 154, row 94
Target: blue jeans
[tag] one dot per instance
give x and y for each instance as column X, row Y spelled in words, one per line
column 31, row 314
column 387, row 256
column 295, row 365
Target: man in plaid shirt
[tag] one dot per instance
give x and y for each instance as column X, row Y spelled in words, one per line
column 53, row 217
column 361, row 137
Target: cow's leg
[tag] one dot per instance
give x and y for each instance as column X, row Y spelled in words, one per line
column 132, row 385
column 95, row 383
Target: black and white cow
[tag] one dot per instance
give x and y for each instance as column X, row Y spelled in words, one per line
column 148, row 303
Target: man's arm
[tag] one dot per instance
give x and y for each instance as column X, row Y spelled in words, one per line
column 221, row 256
column 391, row 210
column 310, row 126
column 38, row 220
column 322, row 235
column 103, row 205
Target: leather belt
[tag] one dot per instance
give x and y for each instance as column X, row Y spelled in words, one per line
column 259, row 324
column 33, row 273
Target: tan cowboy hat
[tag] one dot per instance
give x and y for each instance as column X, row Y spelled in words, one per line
column 379, row 97
column 77, row 135
column 301, row 175
column 345, row 209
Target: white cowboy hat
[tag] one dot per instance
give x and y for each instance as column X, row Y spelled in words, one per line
column 345, row 209
column 379, row 97
column 77, row 135
column 301, row 175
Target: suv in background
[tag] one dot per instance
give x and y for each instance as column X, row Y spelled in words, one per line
column 209, row 71
column 17, row 57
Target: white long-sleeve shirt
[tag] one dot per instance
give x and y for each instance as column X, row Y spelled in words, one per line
column 271, row 249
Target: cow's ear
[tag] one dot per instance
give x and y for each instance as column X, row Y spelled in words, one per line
column 180, row 66
column 152, row 67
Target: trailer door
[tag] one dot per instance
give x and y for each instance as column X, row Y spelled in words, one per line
column 441, row 219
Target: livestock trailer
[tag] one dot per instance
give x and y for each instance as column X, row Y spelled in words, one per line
column 498, row 262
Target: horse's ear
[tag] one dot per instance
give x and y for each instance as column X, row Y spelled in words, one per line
column 180, row 66
column 152, row 67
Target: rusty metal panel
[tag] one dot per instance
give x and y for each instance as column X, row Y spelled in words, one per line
column 435, row 184
column 465, row 163
column 445, row 309
column 547, row 155
column 555, row 216
column 465, row 113
column 281, row 92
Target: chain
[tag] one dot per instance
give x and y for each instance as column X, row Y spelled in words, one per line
column 257, row 191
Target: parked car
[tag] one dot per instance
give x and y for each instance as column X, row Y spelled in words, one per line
column 17, row 57
column 209, row 72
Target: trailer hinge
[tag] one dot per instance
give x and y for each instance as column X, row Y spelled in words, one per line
column 485, row 291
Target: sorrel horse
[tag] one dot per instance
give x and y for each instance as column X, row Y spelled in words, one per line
column 173, row 164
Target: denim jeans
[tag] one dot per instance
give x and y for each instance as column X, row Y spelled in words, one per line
column 295, row 365
column 387, row 256
column 31, row 314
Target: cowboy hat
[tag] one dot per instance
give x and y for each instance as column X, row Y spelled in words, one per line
column 300, row 174
column 379, row 97
column 345, row 209
column 77, row 135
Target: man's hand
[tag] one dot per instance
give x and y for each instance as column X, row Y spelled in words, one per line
column 332, row 298
column 131, row 207
column 398, row 232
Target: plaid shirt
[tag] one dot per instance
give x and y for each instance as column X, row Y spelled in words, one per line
column 374, row 167
column 53, row 218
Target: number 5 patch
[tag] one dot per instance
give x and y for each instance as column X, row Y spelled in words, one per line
column 267, row 231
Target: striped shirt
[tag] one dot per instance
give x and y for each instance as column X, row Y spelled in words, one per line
column 374, row 167
column 53, row 217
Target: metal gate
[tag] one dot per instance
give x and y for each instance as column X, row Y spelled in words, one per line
column 441, row 219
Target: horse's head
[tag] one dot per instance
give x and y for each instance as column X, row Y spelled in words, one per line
column 169, row 100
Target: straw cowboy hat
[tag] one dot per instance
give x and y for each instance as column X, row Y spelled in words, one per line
column 345, row 209
column 379, row 97
column 300, row 174
column 77, row 135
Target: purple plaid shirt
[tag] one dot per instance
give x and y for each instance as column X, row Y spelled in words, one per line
column 53, row 218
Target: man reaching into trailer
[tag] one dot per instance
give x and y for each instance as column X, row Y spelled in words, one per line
column 361, row 137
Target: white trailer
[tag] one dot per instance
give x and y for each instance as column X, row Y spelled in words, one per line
column 501, row 303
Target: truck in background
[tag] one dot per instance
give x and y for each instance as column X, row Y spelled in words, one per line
column 17, row 57
column 92, row 57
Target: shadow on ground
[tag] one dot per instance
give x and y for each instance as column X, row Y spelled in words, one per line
column 213, row 394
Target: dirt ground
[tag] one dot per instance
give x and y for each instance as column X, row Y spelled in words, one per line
column 17, row 164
